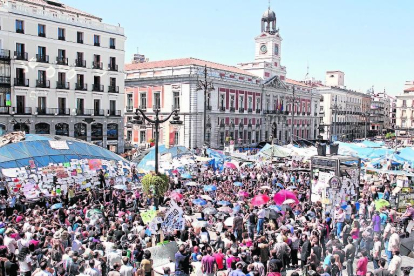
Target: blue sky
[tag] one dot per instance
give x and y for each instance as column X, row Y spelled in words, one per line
column 370, row 40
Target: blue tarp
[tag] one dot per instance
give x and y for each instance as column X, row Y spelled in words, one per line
column 218, row 159
column 370, row 144
column 175, row 152
column 37, row 148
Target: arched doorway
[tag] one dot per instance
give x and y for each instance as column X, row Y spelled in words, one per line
column 97, row 132
column 21, row 127
column 80, row 131
column 62, row 129
column 42, row 128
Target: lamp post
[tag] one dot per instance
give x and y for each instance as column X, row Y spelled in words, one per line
column 140, row 117
column 207, row 86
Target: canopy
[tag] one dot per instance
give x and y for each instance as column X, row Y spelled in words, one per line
column 274, row 150
column 38, row 148
column 147, row 163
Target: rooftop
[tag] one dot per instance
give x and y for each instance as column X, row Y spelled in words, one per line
column 295, row 82
column 58, row 6
column 185, row 62
column 411, row 89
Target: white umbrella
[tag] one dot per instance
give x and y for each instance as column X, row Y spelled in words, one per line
column 199, row 223
column 229, row 221
column 120, row 187
column 288, row 201
column 206, row 197
column 265, row 188
column 192, row 183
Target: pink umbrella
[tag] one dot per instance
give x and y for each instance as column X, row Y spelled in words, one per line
column 230, row 165
column 175, row 171
column 283, row 195
column 176, row 196
column 260, row 200
column 244, row 194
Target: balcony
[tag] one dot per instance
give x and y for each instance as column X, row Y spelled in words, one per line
column 84, row 112
column 113, row 89
column 62, row 85
column 21, row 55
column 241, row 109
column 62, row 61
column 208, row 107
column 222, row 108
column 20, row 31
column 41, row 34
column 21, row 82
column 4, row 110
column 97, row 44
column 80, row 40
column 61, row 37
column 42, row 83
column 112, row 47
column 97, row 65
column 232, row 109
column 81, row 87
column 222, row 125
column 99, row 112
column 5, row 80
column 112, row 67
column 258, row 111
column 129, row 108
column 116, row 113
column 4, row 54
column 80, row 63
column 24, row 111
column 97, row 88
column 42, row 58
column 52, row 111
column 249, row 110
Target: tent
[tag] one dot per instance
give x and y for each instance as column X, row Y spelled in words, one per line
column 147, row 163
column 275, row 151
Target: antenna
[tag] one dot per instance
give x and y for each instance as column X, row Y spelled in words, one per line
column 269, row 4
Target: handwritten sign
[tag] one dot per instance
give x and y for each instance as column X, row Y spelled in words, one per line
column 148, row 216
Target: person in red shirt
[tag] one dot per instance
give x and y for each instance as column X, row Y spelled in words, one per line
column 219, row 256
column 362, row 264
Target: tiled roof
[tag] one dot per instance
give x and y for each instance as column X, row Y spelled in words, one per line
column 409, row 89
column 295, row 82
column 62, row 8
column 185, row 62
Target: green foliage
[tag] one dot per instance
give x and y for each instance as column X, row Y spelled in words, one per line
column 389, row 135
column 155, row 185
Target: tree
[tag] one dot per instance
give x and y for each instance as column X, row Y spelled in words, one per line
column 155, row 185
column 389, row 135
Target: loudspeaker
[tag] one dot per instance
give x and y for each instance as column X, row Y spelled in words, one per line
column 322, row 149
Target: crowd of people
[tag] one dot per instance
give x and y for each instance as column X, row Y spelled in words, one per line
column 38, row 238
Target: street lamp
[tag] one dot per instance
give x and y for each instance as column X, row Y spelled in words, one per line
column 140, row 117
column 207, row 86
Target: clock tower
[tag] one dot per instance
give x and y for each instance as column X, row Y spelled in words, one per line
column 267, row 50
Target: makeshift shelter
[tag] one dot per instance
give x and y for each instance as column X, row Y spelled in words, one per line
column 147, row 163
column 274, row 151
column 42, row 150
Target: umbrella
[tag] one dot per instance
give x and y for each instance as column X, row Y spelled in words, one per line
column 206, row 197
column 199, row 223
column 380, row 203
column 243, row 193
column 291, row 188
column 186, row 176
column 221, row 215
column 282, row 195
column 56, row 206
column 229, row 222
column 238, row 184
column 120, row 187
column 230, row 165
column 289, row 201
column 260, row 200
column 199, row 201
column 225, row 209
column 280, row 185
column 271, row 214
column 276, row 208
column 210, row 211
column 210, row 188
column 265, row 188
column 175, row 172
column 191, row 183
column 223, row 202
column 176, row 196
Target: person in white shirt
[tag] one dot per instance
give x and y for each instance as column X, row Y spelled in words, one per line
column 395, row 265
column 260, row 220
column 77, row 244
column 9, row 242
column 126, row 269
column 114, row 257
column 91, row 270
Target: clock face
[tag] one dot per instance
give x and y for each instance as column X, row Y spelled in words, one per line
column 263, row 49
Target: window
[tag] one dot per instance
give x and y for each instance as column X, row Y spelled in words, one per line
column 80, row 106
column 80, row 79
column 61, row 79
column 96, row 40
column 96, row 106
column 267, row 104
column 20, row 26
column 250, row 103
column 129, row 136
column 157, row 100
column 79, row 37
column 41, row 76
column 41, row 54
column 20, row 52
column 112, row 43
column 142, row 137
column 231, row 101
column 112, row 107
column 241, row 102
column 41, row 30
column 176, row 138
column 176, row 96
column 130, row 101
column 142, row 100
column 20, row 103
column 62, row 106
column 222, row 101
column 404, row 103
column 61, row 34
column 41, row 105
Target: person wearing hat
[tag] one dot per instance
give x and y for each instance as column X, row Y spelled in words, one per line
column 407, row 216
